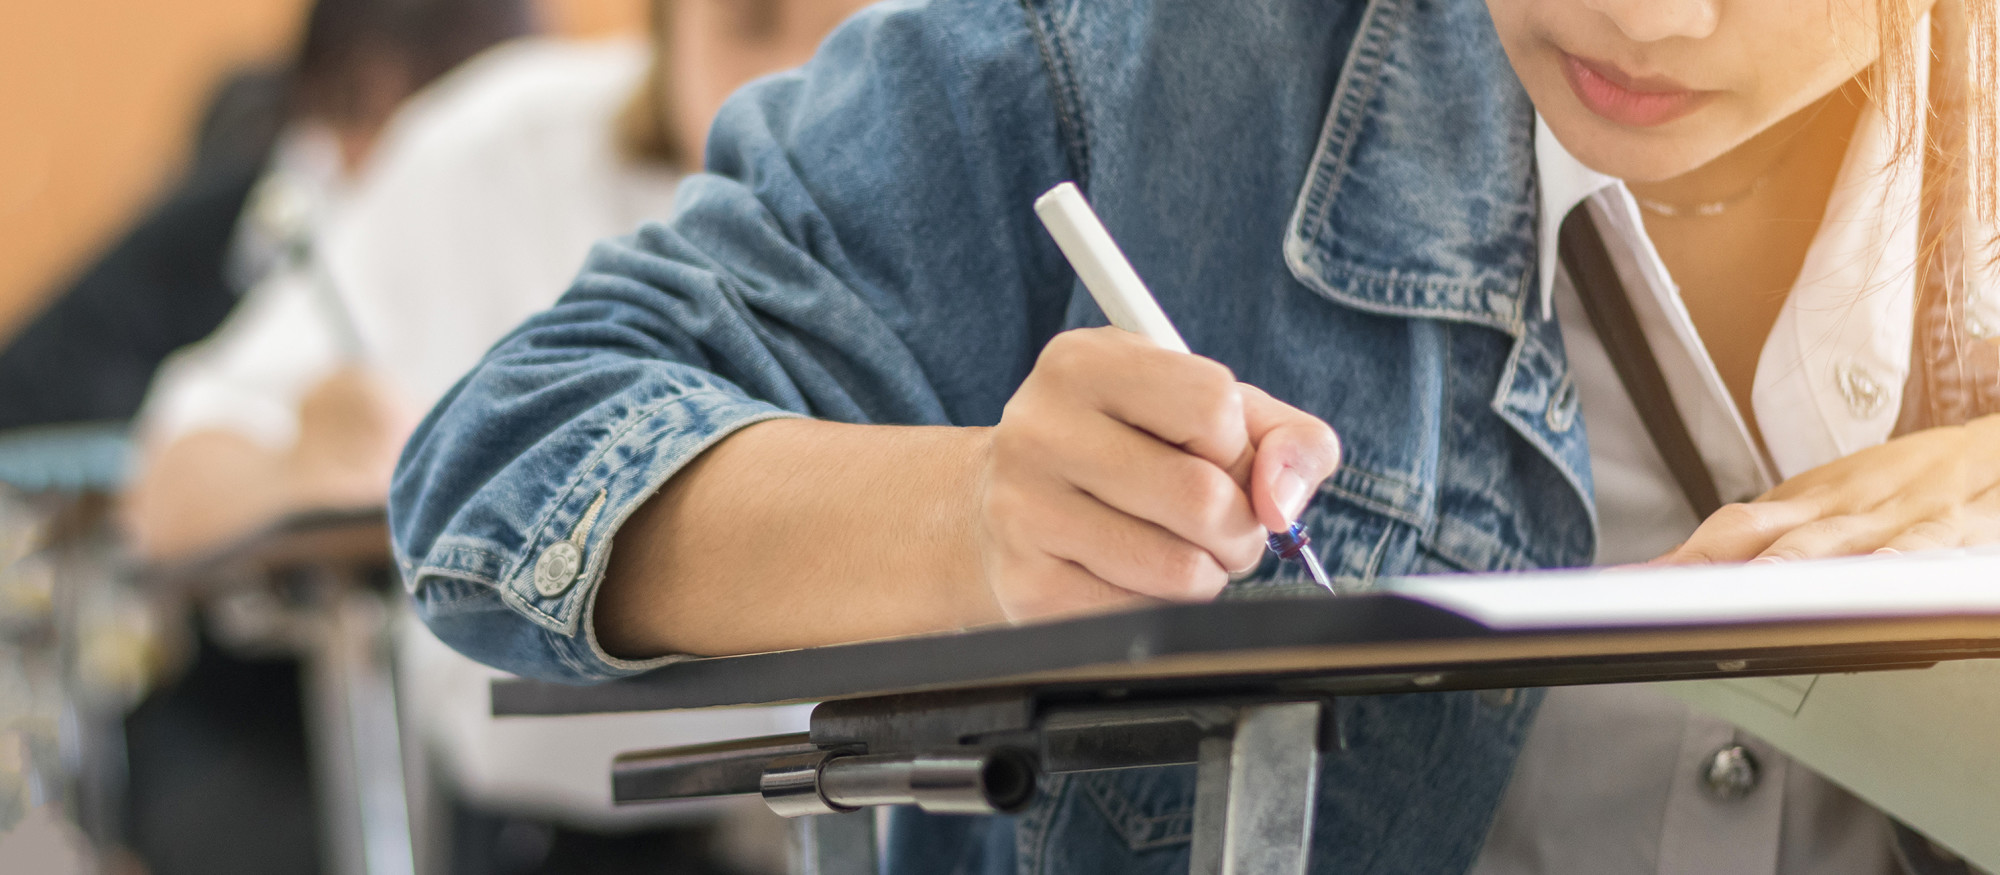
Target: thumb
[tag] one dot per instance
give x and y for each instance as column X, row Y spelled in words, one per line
column 1296, row 452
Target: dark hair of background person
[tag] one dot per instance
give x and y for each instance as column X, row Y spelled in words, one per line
column 350, row 44
column 90, row 355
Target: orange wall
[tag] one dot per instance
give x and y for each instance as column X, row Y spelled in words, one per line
column 595, row 17
column 97, row 100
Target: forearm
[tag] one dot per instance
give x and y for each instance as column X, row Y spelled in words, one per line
column 796, row 533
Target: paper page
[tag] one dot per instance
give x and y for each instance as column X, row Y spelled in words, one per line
column 1950, row 582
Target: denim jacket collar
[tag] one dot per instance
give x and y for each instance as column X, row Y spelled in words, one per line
column 1420, row 200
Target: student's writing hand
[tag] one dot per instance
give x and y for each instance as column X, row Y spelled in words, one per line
column 203, row 489
column 1121, row 472
column 1932, row 489
column 351, row 428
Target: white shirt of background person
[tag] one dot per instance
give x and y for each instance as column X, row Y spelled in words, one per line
column 477, row 211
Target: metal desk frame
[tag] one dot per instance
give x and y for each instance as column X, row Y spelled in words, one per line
column 971, row 722
column 308, row 581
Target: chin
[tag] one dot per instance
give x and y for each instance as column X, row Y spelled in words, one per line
column 1632, row 155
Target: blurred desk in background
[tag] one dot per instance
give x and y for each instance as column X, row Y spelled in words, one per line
column 70, row 459
column 318, row 586
column 390, row 710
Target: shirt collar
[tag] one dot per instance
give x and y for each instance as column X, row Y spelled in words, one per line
column 1563, row 182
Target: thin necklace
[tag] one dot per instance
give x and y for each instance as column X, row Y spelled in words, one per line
column 1707, row 208
column 1721, row 205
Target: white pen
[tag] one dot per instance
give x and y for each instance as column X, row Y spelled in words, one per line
column 1126, row 302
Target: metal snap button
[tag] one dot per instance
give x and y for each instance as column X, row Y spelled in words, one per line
column 1561, row 415
column 1731, row 773
column 1860, row 389
column 557, row 568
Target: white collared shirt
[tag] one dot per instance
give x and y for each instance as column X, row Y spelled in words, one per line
column 1610, row 780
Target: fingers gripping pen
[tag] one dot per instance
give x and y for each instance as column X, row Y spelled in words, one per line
column 1126, row 302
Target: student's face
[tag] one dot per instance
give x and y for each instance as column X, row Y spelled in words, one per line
column 1647, row 90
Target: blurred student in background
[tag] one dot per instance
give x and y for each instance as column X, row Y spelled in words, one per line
column 215, row 758
column 483, row 198
column 486, row 193
column 178, row 271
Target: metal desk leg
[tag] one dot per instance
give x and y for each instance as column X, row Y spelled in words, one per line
column 835, row 844
column 351, row 702
column 1254, row 793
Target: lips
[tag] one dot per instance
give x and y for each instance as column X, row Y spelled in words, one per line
column 1638, row 102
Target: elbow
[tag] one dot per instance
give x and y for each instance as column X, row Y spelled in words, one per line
column 474, row 619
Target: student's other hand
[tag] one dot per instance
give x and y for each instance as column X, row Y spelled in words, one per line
column 351, row 428
column 1122, row 472
column 1932, row 489
column 202, row 490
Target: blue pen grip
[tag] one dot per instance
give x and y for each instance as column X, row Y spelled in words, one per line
column 1289, row 543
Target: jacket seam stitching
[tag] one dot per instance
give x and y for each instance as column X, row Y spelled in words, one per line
column 1415, row 516
column 1514, row 560
column 1068, row 100
column 570, row 489
column 1329, row 166
column 586, row 613
column 1499, row 319
column 1525, row 428
column 449, row 573
column 1141, row 831
column 1373, row 570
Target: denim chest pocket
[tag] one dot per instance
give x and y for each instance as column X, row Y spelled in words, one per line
column 1356, row 541
column 1146, row 808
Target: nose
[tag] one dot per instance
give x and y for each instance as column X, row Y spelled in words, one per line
column 1653, row 20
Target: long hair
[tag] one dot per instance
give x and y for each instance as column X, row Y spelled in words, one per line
column 645, row 130
column 645, row 127
column 1955, row 360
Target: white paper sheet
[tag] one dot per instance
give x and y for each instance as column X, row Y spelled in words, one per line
column 1955, row 582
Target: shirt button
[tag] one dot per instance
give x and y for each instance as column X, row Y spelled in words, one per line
column 557, row 569
column 1979, row 328
column 1731, row 773
column 1859, row 388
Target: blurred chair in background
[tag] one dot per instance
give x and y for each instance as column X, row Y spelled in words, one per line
column 484, row 195
column 73, row 658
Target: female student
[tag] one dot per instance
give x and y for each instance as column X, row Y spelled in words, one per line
column 847, row 391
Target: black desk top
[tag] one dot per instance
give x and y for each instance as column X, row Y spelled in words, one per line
column 1369, row 643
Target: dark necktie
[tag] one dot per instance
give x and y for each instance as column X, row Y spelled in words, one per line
column 1604, row 298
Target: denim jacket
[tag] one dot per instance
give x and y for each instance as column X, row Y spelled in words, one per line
column 1335, row 198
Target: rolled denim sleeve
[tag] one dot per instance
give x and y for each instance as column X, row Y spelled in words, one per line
column 862, row 249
